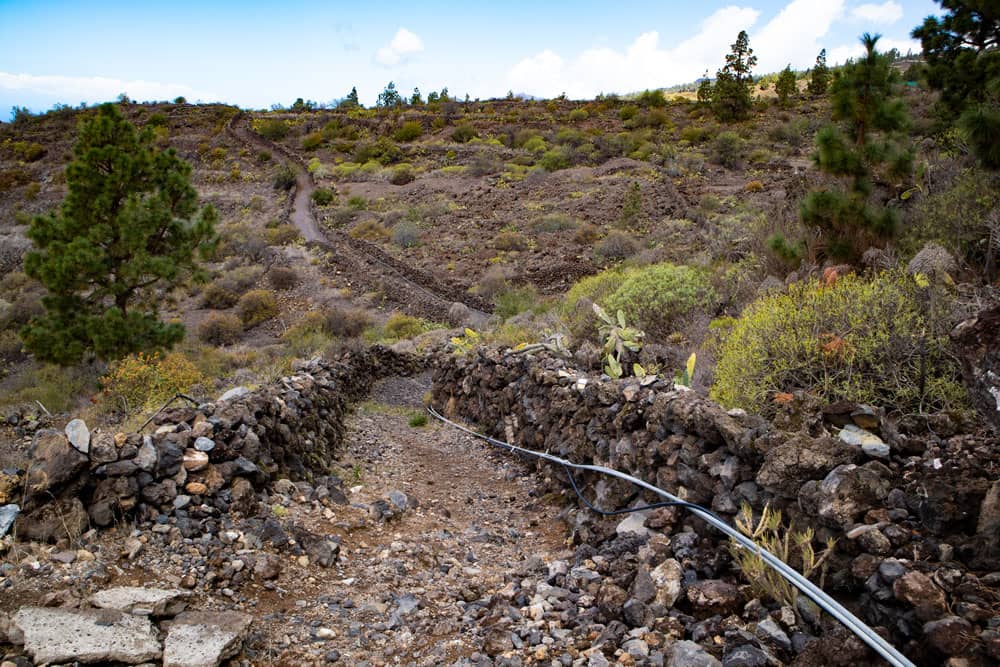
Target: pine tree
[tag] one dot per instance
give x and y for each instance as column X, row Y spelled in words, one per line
column 868, row 147
column 415, row 98
column 126, row 233
column 820, row 78
column 732, row 98
column 351, row 101
column 785, row 86
column 962, row 49
column 705, row 90
column 389, row 97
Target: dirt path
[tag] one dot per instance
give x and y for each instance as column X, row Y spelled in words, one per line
column 360, row 262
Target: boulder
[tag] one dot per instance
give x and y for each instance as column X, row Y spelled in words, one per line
column 801, row 458
column 54, row 463
column 917, row 589
column 849, row 491
column 978, row 343
column 88, row 635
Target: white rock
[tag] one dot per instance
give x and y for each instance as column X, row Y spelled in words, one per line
column 78, row 435
column 236, row 392
column 204, row 639
column 667, row 577
column 90, row 635
column 159, row 601
column 633, row 523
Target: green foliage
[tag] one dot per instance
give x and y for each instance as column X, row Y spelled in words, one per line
column 728, row 149
column 272, row 129
column 220, row 329
column 418, row 420
column 705, row 91
column 408, row 131
column 128, row 228
column 383, row 151
column 464, row 133
column 284, row 177
column 881, row 341
column 785, row 86
column 651, row 98
column 29, row 151
column 686, row 375
column 819, row 77
column 510, row 241
column 869, row 146
column 256, row 306
column 312, row 141
column 618, row 340
column 389, row 97
column 406, row 235
column 513, row 300
column 617, row 246
column 658, row 296
column 631, row 215
column 146, row 381
column 732, row 97
column 400, row 326
column 323, row 196
column 556, row 158
column 402, row 175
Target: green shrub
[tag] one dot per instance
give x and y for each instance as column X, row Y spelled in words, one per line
column 514, row 300
column 369, row 230
column 58, row 388
column 553, row 222
column 464, row 133
column 617, row 245
column 358, row 203
column 216, row 296
column 400, row 326
column 312, row 141
column 417, row 420
column 402, row 175
column 510, row 241
column 577, row 115
column 406, row 234
column 283, row 277
column 29, row 151
column 323, row 196
column 282, row 234
column 345, row 322
column 256, row 306
column 272, row 128
column 220, row 329
column 535, row 144
column 383, row 151
column 408, row 131
column 264, row 156
column 881, row 341
column 656, row 297
column 727, row 149
column 240, row 279
column 284, row 178
column 556, row 158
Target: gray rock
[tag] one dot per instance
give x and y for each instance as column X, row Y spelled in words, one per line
column 7, row 515
column 633, row 523
column 870, row 444
column 690, row 654
column 917, row 589
column 848, row 492
column 989, row 511
column 78, row 435
column 745, row 656
column 91, row 635
column 141, row 601
column 458, row 314
column 268, row 566
column 801, row 458
column 401, row 500
column 643, row 588
column 770, row 631
column 204, row 639
column 147, row 456
column 54, row 462
column 203, row 444
column 103, row 449
column 234, row 393
column 713, row 594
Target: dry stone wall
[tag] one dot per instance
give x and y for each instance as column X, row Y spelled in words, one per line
column 214, row 454
column 916, row 519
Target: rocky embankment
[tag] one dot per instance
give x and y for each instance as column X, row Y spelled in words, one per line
column 915, row 516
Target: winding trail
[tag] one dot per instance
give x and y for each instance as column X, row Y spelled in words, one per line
column 360, row 262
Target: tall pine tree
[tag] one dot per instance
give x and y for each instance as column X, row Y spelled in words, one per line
column 732, row 97
column 127, row 230
column 785, row 86
column 819, row 78
column 868, row 147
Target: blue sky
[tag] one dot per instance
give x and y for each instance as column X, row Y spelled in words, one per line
column 256, row 53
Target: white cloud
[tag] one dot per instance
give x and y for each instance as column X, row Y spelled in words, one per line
column 794, row 35
column 840, row 54
column 403, row 44
column 643, row 64
column 73, row 89
column 887, row 13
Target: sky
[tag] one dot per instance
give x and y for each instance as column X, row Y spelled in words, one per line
column 255, row 54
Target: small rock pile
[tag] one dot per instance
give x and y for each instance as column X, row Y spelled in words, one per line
column 915, row 516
